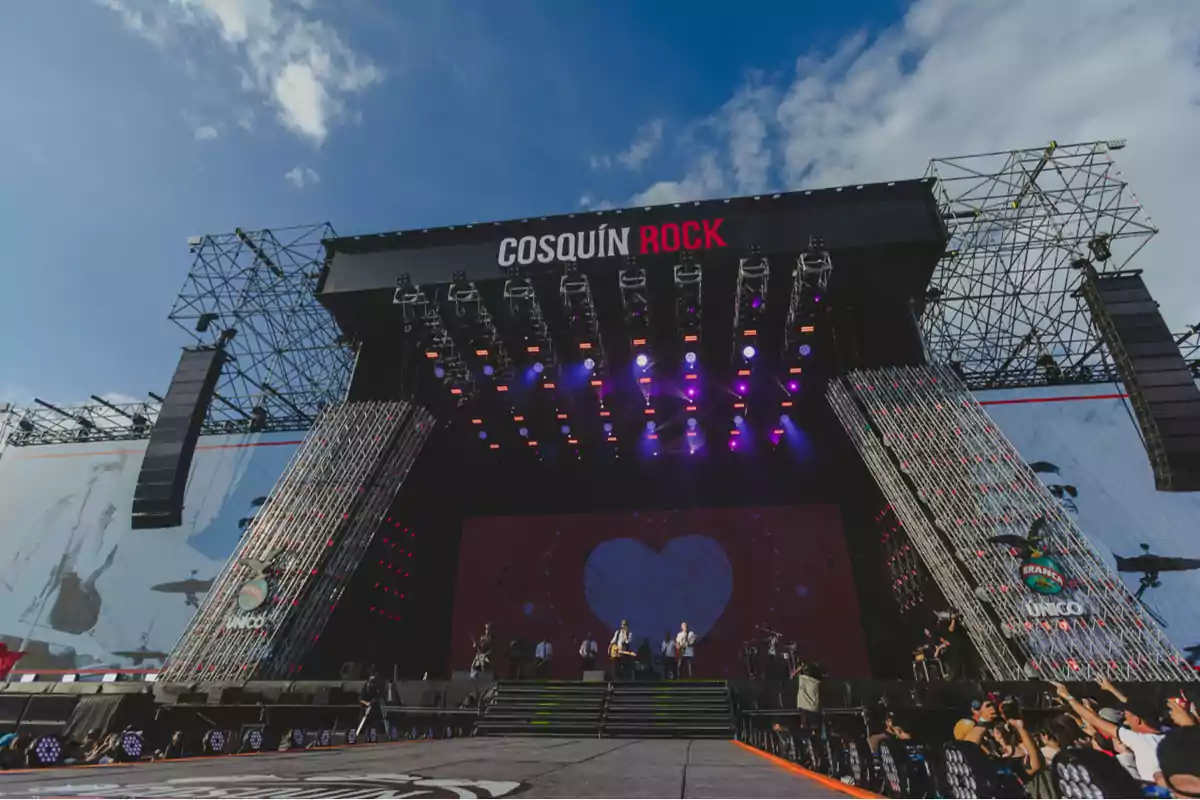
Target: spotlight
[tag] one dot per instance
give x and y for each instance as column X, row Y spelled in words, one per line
column 489, row 370
column 214, row 741
column 372, row 736
column 483, row 434
column 805, row 350
column 784, row 419
column 439, row 372
column 351, row 736
column 252, row 740
column 565, row 428
column 691, row 392
column 324, row 738
column 733, row 444
column 608, row 427
column 650, row 426
column 748, row 352
column 691, row 423
column 642, row 360
column 47, row 750
column 298, row 738
column 793, row 386
column 741, row 388
column 538, row 367
column 524, row 432
column 132, row 744
column 739, row 419
column 589, row 363
column 690, row 358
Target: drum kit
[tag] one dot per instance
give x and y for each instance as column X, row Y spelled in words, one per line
column 769, row 657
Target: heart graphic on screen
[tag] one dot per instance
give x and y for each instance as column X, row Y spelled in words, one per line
column 690, row 580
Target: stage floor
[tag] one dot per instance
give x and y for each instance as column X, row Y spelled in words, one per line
column 482, row 767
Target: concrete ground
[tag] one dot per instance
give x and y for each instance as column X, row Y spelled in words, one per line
column 454, row 768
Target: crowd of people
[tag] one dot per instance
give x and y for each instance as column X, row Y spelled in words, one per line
column 1154, row 738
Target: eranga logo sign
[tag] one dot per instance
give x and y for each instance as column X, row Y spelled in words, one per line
column 606, row 242
column 1042, row 574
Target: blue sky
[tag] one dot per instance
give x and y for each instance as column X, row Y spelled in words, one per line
column 137, row 123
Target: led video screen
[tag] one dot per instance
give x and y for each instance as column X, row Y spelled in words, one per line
column 724, row 571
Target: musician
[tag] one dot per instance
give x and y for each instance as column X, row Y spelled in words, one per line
column 371, row 700
column 588, row 651
column 542, row 654
column 666, row 652
column 483, row 652
column 620, row 650
column 685, row 643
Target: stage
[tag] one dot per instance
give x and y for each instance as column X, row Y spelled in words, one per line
column 483, row 767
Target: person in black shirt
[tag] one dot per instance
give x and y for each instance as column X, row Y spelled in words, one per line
column 371, row 700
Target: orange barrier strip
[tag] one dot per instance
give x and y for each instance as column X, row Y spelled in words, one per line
column 824, row 780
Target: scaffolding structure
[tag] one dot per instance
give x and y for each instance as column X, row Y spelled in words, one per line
column 271, row 602
column 254, row 292
column 1038, row 599
column 1003, row 308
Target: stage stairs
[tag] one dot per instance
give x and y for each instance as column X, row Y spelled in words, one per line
column 692, row 709
column 545, row 708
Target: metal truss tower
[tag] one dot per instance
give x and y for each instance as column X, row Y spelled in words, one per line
column 1002, row 308
column 254, row 291
column 1037, row 598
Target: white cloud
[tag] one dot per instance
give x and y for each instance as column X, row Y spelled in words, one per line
column 643, row 147
column 274, row 48
column 205, row 133
column 302, row 176
column 964, row 77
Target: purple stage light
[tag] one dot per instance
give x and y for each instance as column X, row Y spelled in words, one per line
column 756, row 302
column 741, row 388
column 784, row 419
column 793, row 386
column 483, row 434
column 523, row 432
column 748, row 352
column 589, row 363
column 738, row 420
column 439, row 373
column 489, row 370
column 805, row 350
column 538, row 367
column 565, row 429
column 690, row 358
column 691, row 392
column 650, row 426
column 608, row 427
column 691, row 423
column 733, row 444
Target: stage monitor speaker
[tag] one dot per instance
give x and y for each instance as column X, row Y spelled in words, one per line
column 1161, row 386
column 158, row 496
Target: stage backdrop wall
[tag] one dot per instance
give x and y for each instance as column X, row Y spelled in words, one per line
column 78, row 588
column 1083, row 441
column 724, row 571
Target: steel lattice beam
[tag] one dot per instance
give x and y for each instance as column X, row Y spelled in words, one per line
column 1002, row 306
column 304, row 545
column 286, row 354
column 956, row 483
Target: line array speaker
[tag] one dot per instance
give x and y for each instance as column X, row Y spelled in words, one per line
column 158, row 496
column 1161, row 387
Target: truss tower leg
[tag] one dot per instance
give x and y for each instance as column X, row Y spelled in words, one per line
column 275, row 595
column 957, row 483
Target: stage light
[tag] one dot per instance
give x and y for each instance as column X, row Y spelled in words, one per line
column 523, row 432
column 748, row 352
column 538, row 367
column 351, row 736
column 733, row 444
column 642, row 360
column 213, row 741
column 793, row 386
column 691, row 423
column 739, row 420
column 691, row 392
column 565, row 429
column 589, row 363
column 690, row 358
column 741, row 388
column 489, row 370
column 651, row 425
column 324, row 737
column 805, row 350
column 439, row 372
column 608, row 427
column 483, row 435
column 784, row 419
column 47, row 751
column 298, row 738
column 132, row 744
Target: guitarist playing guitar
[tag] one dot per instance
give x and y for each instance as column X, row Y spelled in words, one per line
column 620, row 650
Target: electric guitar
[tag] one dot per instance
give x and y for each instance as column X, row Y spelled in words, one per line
column 615, row 652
